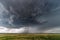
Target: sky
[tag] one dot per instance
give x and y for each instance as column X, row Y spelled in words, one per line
column 29, row 16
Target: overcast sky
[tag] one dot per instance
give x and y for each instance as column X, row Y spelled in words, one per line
column 30, row 16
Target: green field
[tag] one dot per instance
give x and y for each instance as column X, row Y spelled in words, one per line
column 29, row 36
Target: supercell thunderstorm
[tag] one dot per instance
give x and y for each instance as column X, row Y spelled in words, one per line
column 29, row 16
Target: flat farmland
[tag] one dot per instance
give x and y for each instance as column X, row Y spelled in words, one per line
column 15, row 36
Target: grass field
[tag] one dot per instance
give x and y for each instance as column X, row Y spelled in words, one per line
column 29, row 36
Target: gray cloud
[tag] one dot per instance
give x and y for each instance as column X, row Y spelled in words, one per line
column 36, row 15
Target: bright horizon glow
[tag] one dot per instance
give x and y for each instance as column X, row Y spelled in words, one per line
column 30, row 30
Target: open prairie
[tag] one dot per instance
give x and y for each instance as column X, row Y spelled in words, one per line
column 29, row 36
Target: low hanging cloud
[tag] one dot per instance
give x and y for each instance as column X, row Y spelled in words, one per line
column 27, row 30
column 54, row 30
column 19, row 30
column 11, row 30
column 27, row 16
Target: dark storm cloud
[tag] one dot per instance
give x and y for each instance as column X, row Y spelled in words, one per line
column 23, row 11
column 36, row 15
